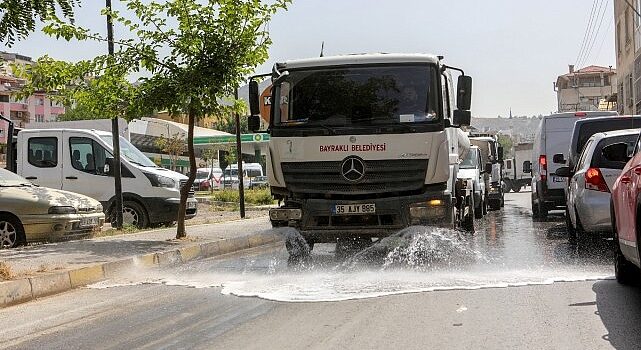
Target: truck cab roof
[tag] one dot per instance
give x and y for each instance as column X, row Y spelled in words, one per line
column 366, row 58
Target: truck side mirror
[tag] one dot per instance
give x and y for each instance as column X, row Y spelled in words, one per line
column 462, row 118
column 488, row 168
column 254, row 97
column 464, row 93
column 558, row 159
column 616, row 152
column 563, row 171
column 527, row 167
column 253, row 123
column 500, row 151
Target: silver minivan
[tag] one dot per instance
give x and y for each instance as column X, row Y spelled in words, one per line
column 590, row 184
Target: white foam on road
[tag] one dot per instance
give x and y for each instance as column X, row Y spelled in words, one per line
column 326, row 286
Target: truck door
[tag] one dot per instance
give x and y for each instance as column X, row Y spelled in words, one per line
column 41, row 159
column 84, row 167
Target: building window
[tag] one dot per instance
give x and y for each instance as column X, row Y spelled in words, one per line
column 4, row 98
column 618, row 35
column 40, row 101
column 39, row 118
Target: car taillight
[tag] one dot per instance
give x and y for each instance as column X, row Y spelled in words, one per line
column 580, row 114
column 543, row 167
column 594, row 180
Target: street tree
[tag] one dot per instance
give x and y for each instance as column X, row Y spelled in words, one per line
column 18, row 17
column 173, row 145
column 195, row 54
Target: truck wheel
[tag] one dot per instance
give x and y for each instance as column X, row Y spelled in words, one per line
column 468, row 220
column 485, row 205
column 495, row 203
column 507, row 186
column 543, row 211
column 349, row 246
column 516, row 188
column 478, row 212
column 134, row 214
column 298, row 249
column 11, row 232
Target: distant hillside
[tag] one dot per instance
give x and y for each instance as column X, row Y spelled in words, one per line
column 523, row 129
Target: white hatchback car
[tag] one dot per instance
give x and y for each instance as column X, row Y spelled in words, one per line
column 589, row 187
column 32, row 213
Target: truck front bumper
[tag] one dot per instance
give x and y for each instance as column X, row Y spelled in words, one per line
column 317, row 221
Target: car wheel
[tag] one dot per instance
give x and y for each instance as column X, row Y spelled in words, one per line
column 542, row 211
column 11, row 232
column 624, row 271
column 570, row 228
column 133, row 214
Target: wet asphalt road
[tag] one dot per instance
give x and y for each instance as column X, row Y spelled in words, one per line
column 515, row 283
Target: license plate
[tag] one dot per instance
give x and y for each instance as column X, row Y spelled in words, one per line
column 88, row 222
column 191, row 205
column 353, row 209
column 558, row 179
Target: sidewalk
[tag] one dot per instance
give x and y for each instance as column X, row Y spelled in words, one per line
column 55, row 267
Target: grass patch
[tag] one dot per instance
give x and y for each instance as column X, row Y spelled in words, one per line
column 126, row 229
column 5, row 271
column 259, row 196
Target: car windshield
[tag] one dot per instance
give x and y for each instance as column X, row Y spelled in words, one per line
column 470, row 161
column 8, row 178
column 130, row 152
column 202, row 174
column 343, row 97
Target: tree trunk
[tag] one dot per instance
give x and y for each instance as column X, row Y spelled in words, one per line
column 184, row 191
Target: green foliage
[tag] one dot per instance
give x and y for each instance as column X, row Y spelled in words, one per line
column 174, row 145
column 260, row 196
column 507, row 144
column 78, row 112
column 18, row 17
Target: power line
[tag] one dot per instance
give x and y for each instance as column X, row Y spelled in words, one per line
column 596, row 33
column 587, row 29
column 605, row 36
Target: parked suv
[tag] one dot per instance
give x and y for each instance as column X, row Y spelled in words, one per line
column 552, row 138
column 591, row 182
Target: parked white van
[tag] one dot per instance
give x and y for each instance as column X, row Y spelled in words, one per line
column 552, row 138
column 250, row 170
column 81, row 161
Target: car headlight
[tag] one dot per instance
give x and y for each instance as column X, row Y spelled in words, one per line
column 160, row 181
column 62, row 210
column 99, row 207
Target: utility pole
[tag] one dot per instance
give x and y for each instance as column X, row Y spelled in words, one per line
column 239, row 157
column 115, row 134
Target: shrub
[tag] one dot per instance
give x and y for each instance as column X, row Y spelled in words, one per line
column 259, row 196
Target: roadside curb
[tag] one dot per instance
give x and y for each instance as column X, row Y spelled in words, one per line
column 22, row 290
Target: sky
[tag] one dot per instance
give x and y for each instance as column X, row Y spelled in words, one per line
column 514, row 50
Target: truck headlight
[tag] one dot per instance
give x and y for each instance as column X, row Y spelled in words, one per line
column 160, row 181
column 62, row 210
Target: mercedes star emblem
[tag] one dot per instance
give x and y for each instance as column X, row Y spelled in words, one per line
column 353, row 169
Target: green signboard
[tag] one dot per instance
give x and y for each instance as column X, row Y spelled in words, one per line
column 244, row 138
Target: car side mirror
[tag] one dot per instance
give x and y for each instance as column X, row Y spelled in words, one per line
column 488, row 168
column 109, row 168
column 527, row 167
column 563, row 171
column 616, row 152
column 464, row 93
column 462, row 118
column 558, row 159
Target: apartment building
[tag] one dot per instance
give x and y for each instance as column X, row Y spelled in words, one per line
column 585, row 89
column 628, row 53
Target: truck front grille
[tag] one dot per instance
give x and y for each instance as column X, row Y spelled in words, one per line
column 381, row 177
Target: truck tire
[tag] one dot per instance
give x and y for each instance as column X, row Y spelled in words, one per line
column 468, row 220
column 542, row 210
column 516, row 187
column 298, row 248
column 478, row 211
column 495, row 203
column 508, row 186
column 485, row 201
column 11, row 231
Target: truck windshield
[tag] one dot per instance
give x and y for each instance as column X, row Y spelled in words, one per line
column 356, row 96
column 129, row 151
column 471, row 161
